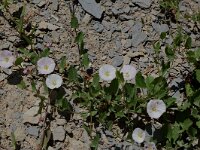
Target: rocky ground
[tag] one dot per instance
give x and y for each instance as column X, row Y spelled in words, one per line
column 116, row 32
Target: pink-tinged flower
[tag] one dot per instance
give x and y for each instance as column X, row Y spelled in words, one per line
column 45, row 65
column 54, row 81
column 150, row 146
column 155, row 108
column 128, row 72
column 138, row 135
column 107, row 72
column 6, row 59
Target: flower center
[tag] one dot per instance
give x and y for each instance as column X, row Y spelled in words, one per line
column 154, row 108
column 54, row 82
column 126, row 75
column 6, row 59
column 46, row 67
column 140, row 134
column 107, row 73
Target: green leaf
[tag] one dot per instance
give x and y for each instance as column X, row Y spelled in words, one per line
column 62, row 64
column 156, row 47
column 93, row 113
column 45, row 53
column 13, row 140
column 63, row 104
column 74, row 22
column 72, row 74
column 198, row 124
column 120, row 76
column 46, row 139
column 79, row 38
column 95, row 81
column 18, row 61
column 163, row 35
column 186, row 124
column 188, row 43
column 130, row 90
column 33, row 85
column 197, row 71
column 189, row 90
column 140, row 81
column 114, row 87
column 95, row 142
column 85, row 60
column 170, row 101
column 22, row 85
column 148, row 81
column 169, row 52
column 197, row 53
column 165, row 67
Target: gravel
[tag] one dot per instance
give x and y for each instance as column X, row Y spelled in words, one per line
column 92, row 8
column 59, row 133
column 143, row 3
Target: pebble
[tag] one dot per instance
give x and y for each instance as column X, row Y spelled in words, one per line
column 54, row 6
column 117, row 61
column 143, row 3
column 61, row 121
column 160, row 28
column 41, row 4
column 29, row 116
column 59, row 133
column 92, row 8
column 34, row 131
column 39, row 46
column 98, row 27
column 20, row 134
column 138, row 37
column 45, row 25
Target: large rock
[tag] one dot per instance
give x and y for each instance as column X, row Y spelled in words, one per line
column 143, row 3
column 92, row 8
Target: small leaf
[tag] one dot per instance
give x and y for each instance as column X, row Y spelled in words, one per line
column 156, row 47
column 22, row 85
column 79, row 38
column 188, row 43
column 45, row 52
column 18, row 61
column 33, row 85
column 120, row 76
column 165, row 67
column 13, row 139
column 85, row 60
column 72, row 74
column 197, row 71
column 198, row 124
column 189, row 90
column 95, row 142
column 186, row 124
column 169, row 52
column 74, row 22
column 140, row 81
column 46, row 139
column 114, row 86
column 95, row 81
column 62, row 64
column 163, row 35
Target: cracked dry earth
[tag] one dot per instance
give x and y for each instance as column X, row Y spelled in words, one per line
column 116, row 32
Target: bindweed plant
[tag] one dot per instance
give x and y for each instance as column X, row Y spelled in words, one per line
column 111, row 97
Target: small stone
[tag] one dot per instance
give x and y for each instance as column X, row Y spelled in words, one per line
column 117, row 61
column 54, row 6
column 61, row 121
column 29, row 116
column 45, row 25
column 20, row 134
column 5, row 46
column 41, row 4
column 142, row 3
column 92, row 8
column 39, row 46
column 138, row 37
column 12, row 38
column 160, row 28
column 3, row 76
column 34, row 131
column 59, row 133
column 35, row 1
column 50, row 148
column 128, row 43
column 86, row 19
column 98, row 27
